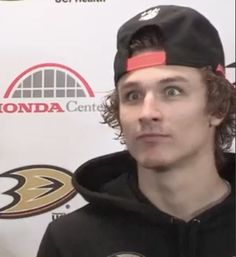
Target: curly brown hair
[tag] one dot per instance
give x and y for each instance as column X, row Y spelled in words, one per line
column 221, row 96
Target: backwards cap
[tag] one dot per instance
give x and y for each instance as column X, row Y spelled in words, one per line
column 189, row 40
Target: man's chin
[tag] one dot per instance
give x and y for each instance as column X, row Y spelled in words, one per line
column 156, row 164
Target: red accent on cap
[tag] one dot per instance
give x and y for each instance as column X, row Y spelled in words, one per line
column 220, row 70
column 146, row 60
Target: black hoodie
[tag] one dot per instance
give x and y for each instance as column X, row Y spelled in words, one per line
column 120, row 222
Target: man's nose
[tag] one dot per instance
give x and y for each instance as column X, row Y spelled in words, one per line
column 150, row 109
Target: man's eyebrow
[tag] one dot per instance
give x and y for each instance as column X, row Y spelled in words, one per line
column 161, row 82
column 173, row 79
column 130, row 84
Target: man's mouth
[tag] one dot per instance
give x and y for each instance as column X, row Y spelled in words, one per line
column 152, row 137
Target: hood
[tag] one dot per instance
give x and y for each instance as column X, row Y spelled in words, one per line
column 110, row 181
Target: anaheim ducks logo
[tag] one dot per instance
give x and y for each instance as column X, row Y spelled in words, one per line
column 126, row 254
column 39, row 188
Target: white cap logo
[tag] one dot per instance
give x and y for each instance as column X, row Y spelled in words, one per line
column 150, row 14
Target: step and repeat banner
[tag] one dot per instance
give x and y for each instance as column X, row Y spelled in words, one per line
column 56, row 60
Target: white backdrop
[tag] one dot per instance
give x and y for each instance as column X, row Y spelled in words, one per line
column 43, row 42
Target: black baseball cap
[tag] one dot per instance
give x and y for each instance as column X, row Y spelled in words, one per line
column 189, row 39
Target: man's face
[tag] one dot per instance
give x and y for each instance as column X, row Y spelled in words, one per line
column 163, row 115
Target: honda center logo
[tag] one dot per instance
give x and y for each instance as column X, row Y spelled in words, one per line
column 48, row 88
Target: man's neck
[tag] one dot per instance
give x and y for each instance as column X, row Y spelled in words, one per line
column 185, row 191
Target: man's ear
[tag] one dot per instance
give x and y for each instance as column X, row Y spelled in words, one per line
column 215, row 120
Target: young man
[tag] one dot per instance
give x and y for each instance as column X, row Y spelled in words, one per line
column 172, row 193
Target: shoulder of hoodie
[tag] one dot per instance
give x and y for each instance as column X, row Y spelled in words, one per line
column 84, row 226
column 83, row 222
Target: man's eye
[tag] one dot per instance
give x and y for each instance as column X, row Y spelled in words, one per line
column 173, row 91
column 133, row 96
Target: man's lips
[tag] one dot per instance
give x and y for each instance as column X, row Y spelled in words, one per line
column 152, row 136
